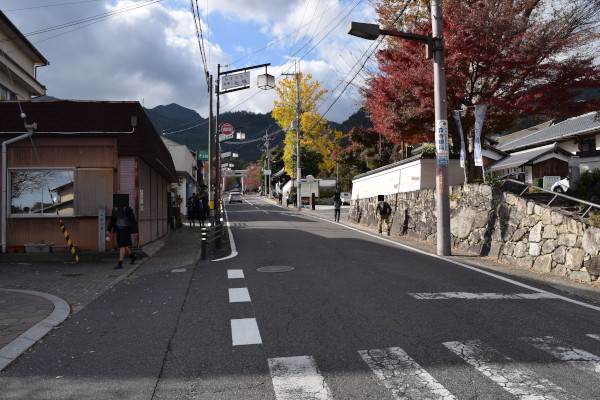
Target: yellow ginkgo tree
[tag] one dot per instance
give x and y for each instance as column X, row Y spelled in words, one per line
column 315, row 134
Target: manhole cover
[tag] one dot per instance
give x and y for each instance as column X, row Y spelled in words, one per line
column 275, row 268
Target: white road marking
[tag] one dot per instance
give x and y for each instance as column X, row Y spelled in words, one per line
column 403, row 376
column 482, row 296
column 239, row 295
column 460, row 264
column 513, row 377
column 178, row 270
column 575, row 357
column 594, row 336
column 245, row 331
column 298, row 378
column 234, row 252
column 235, row 273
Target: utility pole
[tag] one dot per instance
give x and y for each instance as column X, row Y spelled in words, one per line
column 217, row 201
column 442, row 200
column 210, row 139
column 298, row 117
column 434, row 48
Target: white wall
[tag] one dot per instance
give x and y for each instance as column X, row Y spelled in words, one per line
column 416, row 175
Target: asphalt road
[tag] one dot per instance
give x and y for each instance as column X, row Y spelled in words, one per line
column 312, row 309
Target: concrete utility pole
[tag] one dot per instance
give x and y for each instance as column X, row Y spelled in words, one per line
column 298, row 117
column 211, row 136
column 434, row 46
column 441, row 124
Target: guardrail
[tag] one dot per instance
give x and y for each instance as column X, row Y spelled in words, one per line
column 555, row 194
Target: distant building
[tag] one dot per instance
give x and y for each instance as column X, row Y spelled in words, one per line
column 21, row 58
column 186, row 166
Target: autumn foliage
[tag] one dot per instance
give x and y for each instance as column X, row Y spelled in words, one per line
column 521, row 58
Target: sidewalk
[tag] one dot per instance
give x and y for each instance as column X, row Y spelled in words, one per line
column 36, row 296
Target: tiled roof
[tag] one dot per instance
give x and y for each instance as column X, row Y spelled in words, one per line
column 587, row 123
column 520, row 158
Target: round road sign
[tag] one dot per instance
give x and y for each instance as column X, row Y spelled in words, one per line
column 227, row 128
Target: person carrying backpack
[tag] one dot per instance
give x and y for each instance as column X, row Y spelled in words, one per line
column 337, row 206
column 383, row 211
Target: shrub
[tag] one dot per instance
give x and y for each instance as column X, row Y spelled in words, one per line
column 588, row 187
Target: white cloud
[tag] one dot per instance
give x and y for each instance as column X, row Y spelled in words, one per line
column 151, row 54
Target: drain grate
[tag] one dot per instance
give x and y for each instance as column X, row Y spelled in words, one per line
column 275, row 268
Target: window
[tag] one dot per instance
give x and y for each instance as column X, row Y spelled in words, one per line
column 29, row 192
column 6, row 94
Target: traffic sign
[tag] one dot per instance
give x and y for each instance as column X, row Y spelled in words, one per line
column 227, row 128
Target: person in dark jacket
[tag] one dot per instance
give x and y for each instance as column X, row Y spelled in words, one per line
column 123, row 221
column 337, row 207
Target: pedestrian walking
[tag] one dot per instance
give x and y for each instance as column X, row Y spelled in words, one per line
column 337, row 207
column 198, row 209
column 294, row 199
column 125, row 224
column 280, row 198
column 287, row 199
column 192, row 211
column 383, row 211
column 205, row 208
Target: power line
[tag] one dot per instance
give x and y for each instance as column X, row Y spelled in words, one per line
column 49, row 5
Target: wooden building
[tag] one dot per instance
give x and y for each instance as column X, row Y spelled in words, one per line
column 82, row 152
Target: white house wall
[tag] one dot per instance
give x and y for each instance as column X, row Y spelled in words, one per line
column 571, row 146
column 417, row 175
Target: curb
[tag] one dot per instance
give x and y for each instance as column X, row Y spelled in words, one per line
column 14, row 349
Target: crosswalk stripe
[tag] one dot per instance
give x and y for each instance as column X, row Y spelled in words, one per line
column 403, row 376
column 235, row 273
column 518, row 380
column 239, row 295
column 298, row 378
column 245, row 331
column 575, row 357
column 482, row 296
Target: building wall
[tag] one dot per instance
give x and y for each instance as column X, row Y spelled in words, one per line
column 417, row 175
column 93, row 181
column 153, row 215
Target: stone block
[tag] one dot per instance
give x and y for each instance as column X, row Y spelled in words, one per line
column 525, row 262
column 560, row 254
column 549, row 232
column 482, row 219
column 548, row 246
column 535, row 249
column 580, row 276
column 593, row 265
column 509, row 248
column 546, row 217
column 495, row 250
column 591, row 241
column 574, row 260
column 518, row 235
column 556, row 218
column 560, row 270
column 461, row 223
column 543, row 263
column 476, row 248
column 535, row 235
column 567, row 239
column 521, row 250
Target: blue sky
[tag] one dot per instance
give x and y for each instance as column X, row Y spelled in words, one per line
column 151, row 53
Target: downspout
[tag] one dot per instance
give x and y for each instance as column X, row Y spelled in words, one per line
column 30, row 129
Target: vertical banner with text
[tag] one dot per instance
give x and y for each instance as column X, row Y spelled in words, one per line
column 479, row 117
column 456, row 115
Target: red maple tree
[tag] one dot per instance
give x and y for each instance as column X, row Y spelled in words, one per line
column 521, row 58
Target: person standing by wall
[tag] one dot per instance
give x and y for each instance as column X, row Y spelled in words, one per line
column 125, row 224
column 337, row 207
column 383, row 211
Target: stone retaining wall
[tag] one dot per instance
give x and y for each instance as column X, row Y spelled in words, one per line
column 486, row 221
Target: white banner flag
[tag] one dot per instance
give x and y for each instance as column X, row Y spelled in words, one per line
column 479, row 117
column 456, row 115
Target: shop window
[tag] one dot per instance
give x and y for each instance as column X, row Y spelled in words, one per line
column 32, row 192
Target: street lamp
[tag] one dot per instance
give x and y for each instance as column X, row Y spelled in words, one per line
column 434, row 48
